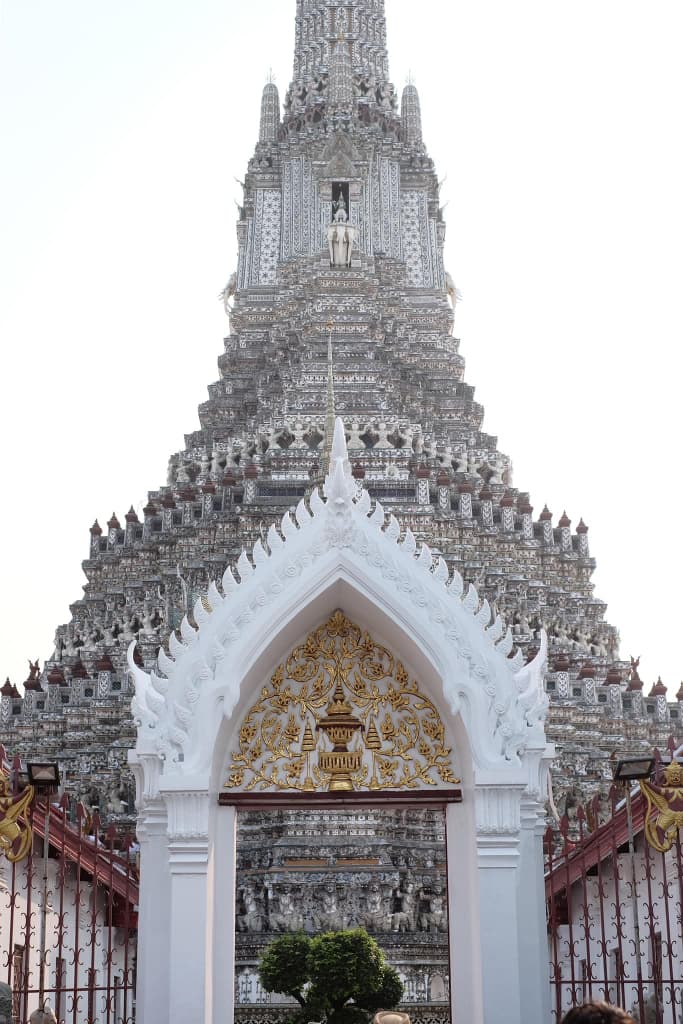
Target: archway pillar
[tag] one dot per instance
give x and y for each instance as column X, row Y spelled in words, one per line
column 152, row 997
column 497, row 801
column 153, row 913
column 220, row 925
column 189, row 899
column 532, row 939
column 464, row 933
column 509, row 859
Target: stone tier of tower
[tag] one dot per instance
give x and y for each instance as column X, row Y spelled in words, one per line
column 379, row 870
column 340, row 246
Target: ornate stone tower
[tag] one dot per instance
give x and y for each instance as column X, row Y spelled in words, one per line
column 340, row 246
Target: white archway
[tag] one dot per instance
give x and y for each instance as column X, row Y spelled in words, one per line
column 336, row 554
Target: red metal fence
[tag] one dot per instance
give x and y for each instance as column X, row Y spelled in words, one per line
column 615, row 917
column 68, row 922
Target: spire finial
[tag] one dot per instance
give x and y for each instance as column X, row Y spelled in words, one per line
column 270, row 111
column 339, row 484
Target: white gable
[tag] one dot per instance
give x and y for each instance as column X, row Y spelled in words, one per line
column 178, row 710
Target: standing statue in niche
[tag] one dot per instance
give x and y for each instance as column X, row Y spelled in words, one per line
column 328, row 917
column 403, row 918
column 251, row 918
column 435, row 918
column 339, row 211
column 341, row 235
column 287, row 917
column 377, row 917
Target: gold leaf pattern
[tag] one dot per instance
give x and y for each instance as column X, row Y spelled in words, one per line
column 280, row 741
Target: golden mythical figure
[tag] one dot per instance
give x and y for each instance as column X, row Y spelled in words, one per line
column 16, row 835
column 664, row 815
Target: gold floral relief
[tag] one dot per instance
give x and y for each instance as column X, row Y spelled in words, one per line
column 16, row 835
column 341, row 714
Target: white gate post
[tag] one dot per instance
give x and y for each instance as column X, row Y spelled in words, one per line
column 151, row 983
column 498, row 854
column 188, row 826
column 464, row 935
column 151, row 997
column 533, row 943
column 222, row 881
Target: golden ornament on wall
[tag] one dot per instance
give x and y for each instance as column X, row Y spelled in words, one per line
column 341, row 714
column 16, row 835
column 664, row 814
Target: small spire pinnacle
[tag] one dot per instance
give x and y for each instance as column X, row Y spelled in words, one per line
column 340, row 485
column 270, row 112
column 410, row 114
column 339, row 449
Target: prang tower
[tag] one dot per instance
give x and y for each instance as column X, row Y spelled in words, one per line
column 340, row 302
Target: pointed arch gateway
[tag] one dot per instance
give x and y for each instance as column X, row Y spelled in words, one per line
column 342, row 666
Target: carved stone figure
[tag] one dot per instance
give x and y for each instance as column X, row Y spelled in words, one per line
column 377, row 916
column 148, row 627
column 114, row 802
column 328, row 916
column 435, row 918
column 339, row 209
column 251, row 918
column 228, row 292
column 451, row 290
column 128, row 633
column 287, row 917
column 633, row 671
column 403, row 919
column 340, row 238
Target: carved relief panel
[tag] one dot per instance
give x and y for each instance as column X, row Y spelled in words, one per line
column 341, row 713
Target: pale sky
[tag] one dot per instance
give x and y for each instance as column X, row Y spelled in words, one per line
column 557, row 126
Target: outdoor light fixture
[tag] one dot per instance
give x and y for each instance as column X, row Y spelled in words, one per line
column 633, row 768
column 627, row 771
column 43, row 775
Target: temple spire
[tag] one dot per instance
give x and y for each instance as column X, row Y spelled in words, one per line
column 411, row 116
column 321, row 25
column 270, row 112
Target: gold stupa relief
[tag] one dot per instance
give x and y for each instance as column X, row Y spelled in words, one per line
column 341, row 714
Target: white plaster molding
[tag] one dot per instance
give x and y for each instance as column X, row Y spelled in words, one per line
column 152, row 820
column 188, row 814
column 146, row 768
column 177, row 712
column 497, row 809
column 188, row 855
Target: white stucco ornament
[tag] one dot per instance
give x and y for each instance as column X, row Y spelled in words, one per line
column 177, row 710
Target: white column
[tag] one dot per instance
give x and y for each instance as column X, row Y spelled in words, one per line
column 153, row 915
column 188, row 865
column 533, row 942
column 498, row 854
column 463, row 914
column 220, row 924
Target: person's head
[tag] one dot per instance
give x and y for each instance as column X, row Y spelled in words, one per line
column 597, row 1013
